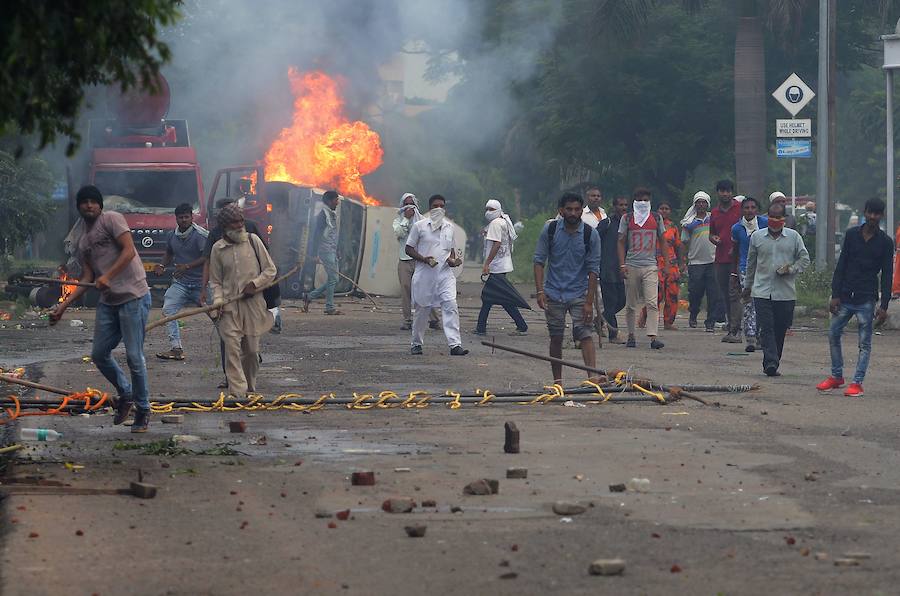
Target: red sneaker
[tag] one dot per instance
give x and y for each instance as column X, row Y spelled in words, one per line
column 854, row 390
column 830, row 383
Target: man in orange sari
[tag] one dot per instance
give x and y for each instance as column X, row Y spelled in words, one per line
column 668, row 276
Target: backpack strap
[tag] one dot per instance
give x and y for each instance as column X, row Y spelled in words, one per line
column 551, row 232
column 587, row 239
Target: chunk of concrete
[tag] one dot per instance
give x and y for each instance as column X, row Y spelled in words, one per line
column 143, row 490
column 568, row 508
column 607, row 567
column 517, row 473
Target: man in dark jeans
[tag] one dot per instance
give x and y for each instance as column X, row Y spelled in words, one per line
column 866, row 251
column 774, row 260
column 612, row 286
column 499, row 239
column 721, row 220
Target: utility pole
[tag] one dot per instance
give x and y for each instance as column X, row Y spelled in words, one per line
column 823, row 200
column 832, row 132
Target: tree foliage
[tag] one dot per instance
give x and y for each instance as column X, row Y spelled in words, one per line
column 49, row 52
column 25, row 205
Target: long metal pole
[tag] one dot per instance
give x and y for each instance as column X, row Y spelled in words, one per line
column 794, row 188
column 822, row 198
column 889, row 187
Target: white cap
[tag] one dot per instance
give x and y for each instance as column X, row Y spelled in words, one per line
column 776, row 195
column 701, row 195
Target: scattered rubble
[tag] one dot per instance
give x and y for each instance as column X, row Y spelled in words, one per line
column 607, row 567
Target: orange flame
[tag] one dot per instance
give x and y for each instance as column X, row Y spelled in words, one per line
column 65, row 290
column 322, row 147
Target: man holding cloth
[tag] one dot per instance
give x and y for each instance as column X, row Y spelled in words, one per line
column 572, row 253
column 498, row 246
column 430, row 244
column 185, row 249
column 108, row 258
column 240, row 264
column 774, row 260
column 701, row 256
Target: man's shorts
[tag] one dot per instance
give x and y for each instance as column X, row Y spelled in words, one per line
column 556, row 318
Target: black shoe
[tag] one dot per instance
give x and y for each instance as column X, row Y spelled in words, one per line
column 750, row 348
column 772, row 371
column 123, row 409
column 434, row 325
column 458, row 351
column 141, row 421
column 656, row 345
column 416, row 350
column 710, row 328
column 630, row 343
column 692, row 322
column 479, row 332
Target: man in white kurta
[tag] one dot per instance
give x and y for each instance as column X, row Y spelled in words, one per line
column 239, row 263
column 430, row 244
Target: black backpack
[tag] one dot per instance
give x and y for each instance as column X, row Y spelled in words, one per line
column 551, row 232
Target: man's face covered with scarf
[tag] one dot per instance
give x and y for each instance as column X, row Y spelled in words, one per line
column 231, row 220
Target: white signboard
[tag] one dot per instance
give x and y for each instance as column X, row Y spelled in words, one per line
column 794, row 94
column 793, row 128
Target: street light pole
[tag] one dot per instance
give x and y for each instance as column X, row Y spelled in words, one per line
column 822, row 199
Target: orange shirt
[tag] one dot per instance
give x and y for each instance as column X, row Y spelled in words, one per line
column 672, row 243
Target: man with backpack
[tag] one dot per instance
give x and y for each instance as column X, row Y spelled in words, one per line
column 571, row 250
column 641, row 234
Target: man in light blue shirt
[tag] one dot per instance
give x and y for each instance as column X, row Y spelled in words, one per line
column 571, row 250
column 774, row 260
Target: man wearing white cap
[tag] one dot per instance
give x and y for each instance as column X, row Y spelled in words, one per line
column 790, row 221
column 498, row 246
column 700, row 256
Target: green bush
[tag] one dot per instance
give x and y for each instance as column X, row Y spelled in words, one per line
column 814, row 288
column 523, row 254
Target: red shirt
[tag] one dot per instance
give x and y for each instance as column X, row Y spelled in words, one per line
column 720, row 223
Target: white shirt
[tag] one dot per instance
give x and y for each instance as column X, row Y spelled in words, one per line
column 432, row 285
column 588, row 217
column 497, row 231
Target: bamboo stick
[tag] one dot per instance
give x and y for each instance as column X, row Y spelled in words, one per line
column 61, row 282
column 211, row 307
column 24, row 383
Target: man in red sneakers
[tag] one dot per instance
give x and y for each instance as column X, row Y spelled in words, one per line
column 854, row 290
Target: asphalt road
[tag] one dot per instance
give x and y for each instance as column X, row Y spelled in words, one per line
column 762, row 493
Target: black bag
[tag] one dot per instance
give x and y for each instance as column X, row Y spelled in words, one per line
column 498, row 290
column 272, row 294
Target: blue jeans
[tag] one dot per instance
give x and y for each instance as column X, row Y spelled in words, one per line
column 329, row 261
column 123, row 323
column 865, row 313
column 177, row 297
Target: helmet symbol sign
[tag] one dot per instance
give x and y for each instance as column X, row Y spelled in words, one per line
column 793, row 94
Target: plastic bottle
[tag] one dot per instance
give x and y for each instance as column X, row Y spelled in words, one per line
column 39, row 434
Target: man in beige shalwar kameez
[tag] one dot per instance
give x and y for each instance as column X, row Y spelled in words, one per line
column 240, row 263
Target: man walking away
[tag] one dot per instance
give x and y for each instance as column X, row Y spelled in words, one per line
column 749, row 224
column 324, row 251
column 498, row 247
column 571, row 250
column 430, row 244
column 185, row 249
column 240, row 264
column 108, row 258
column 774, row 260
column 866, row 252
column 612, row 286
column 701, row 254
column 641, row 235
column 723, row 217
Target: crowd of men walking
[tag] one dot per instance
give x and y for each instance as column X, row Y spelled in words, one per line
column 588, row 266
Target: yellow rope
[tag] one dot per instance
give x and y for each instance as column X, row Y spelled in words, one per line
column 605, row 397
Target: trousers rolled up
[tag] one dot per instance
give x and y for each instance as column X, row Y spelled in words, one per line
column 641, row 290
column 329, row 262
column 731, row 297
column 865, row 315
column 123, row 323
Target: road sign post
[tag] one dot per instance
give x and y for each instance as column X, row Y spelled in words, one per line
column 794, row 95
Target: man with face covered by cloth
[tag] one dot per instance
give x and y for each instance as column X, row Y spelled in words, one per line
column 240, row 264
column 430, row 244
column 407, row 215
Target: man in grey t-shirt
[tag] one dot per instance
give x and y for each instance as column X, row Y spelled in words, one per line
column 640, row 236
column 185, row 249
